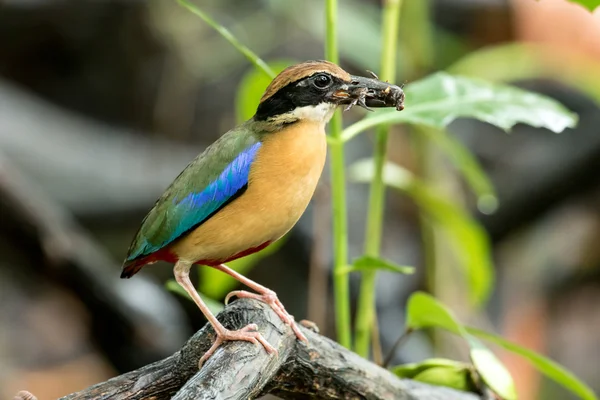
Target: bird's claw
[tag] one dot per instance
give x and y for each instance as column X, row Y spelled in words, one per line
column 249, row 333
column 271, row 299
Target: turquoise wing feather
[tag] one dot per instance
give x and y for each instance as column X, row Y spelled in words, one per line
column 207, row 184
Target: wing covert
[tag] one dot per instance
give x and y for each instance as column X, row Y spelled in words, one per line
column 208, row 183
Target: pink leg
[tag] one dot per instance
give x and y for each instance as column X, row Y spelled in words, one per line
column 265, row 295
column 248, row 333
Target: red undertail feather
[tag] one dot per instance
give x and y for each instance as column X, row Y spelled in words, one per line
column 241, row 254
column 130, row 268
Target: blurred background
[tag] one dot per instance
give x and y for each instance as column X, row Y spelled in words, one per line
column 103, row 103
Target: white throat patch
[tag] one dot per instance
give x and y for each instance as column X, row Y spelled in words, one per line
column 322, row 112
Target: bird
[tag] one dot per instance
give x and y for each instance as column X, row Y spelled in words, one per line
column 249, row 188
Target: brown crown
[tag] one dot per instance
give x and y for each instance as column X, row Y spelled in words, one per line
column 303, row 70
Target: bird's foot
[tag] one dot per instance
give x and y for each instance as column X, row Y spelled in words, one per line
column 249, row 333
column 271, row 299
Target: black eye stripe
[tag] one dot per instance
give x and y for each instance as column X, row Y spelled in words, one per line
column 296, row 94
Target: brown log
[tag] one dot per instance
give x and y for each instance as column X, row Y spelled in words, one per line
column 241, row 370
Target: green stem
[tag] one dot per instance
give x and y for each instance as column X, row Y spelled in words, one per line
column 420, row 148
column 250, row 55
column 338, row 196
column 417, row 25
column 366, row 300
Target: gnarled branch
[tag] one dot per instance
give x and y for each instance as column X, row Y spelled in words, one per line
column 240, row 370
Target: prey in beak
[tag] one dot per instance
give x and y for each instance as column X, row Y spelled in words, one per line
column 369, row 92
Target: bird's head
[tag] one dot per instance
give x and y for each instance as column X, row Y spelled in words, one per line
column 312, row 90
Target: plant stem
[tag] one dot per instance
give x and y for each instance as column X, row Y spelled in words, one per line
column 249, row 54
column 338, row 196
column 420, row 148
column 401, row 340
column 376, row 342
column 366, row 300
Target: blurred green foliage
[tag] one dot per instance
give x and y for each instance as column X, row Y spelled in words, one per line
column 442, row 372
column 252, row 87
column 589, row 4
column 424, row 311
column 214, row 306
column 468, row 166
column 216, row 284
column 468, row 238
column 369, row 263
column 548, row 367
column 520, row 61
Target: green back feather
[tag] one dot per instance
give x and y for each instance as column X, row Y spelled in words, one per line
column 204, row 186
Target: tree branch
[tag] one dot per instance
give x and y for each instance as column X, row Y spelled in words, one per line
column 241, row 370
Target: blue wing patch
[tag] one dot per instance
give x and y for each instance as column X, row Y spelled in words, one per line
column 196, row 207
column 202, row 204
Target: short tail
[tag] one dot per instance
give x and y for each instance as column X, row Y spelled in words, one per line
column 130, row 268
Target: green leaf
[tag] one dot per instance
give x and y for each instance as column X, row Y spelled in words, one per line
column 217, row 284
column 469, row 240
column 441, row 372
column 441, row 98
column 424, row 311
column 214, row 306
column 491, row 369
column 591, row 5
column 455, row 378
column 368, row 263
column 410, row 370
column 467, row 164
column 546, row 366
column 252, row 87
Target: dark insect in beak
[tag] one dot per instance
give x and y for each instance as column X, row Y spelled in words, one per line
column 371, row 92
column 359, row 100
column 373, row 74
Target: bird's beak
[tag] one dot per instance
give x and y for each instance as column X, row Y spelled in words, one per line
column 369, row 92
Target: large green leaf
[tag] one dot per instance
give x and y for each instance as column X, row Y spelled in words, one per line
column 252, row 87
column 441, row 98
column 424, row 311
column 589, row 4
column 547, row 367
column 469, row 240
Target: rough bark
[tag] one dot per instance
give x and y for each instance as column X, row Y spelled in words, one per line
column 240, row 370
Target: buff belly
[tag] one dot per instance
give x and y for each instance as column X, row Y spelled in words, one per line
column 281, row 183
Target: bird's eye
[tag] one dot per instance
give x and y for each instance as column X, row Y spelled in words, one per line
column 322, row 81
